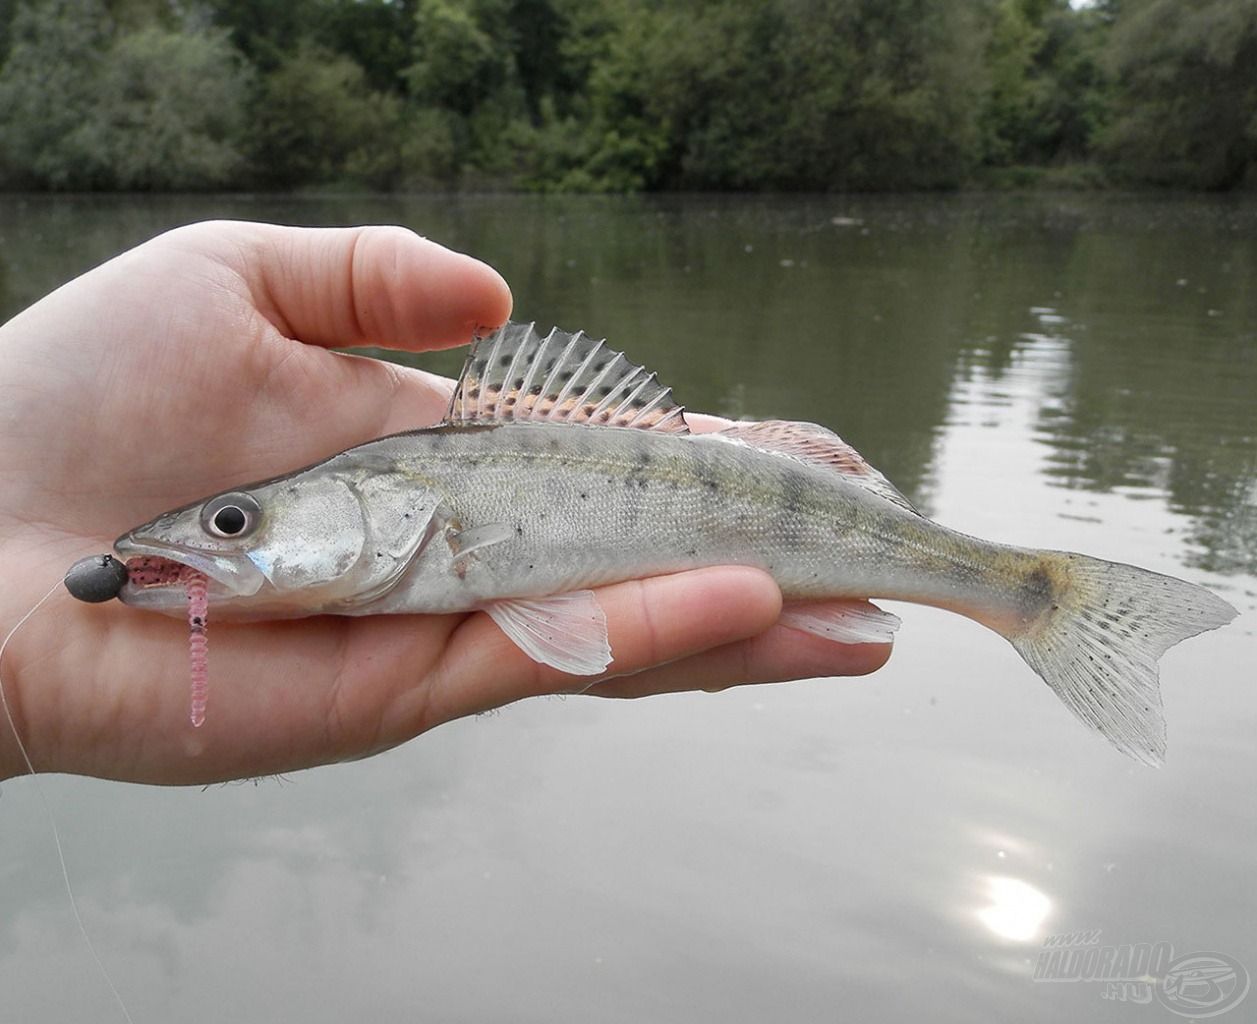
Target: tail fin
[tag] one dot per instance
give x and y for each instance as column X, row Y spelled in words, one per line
column 1098, row 646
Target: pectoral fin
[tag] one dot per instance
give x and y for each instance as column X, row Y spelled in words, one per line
column 566, row 631
column 464, row 544
column 846, row 622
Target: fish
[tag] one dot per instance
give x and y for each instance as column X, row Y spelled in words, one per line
column 561, row 466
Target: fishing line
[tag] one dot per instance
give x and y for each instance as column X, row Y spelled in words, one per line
column 52, row 821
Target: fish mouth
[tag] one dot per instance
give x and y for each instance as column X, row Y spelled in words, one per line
column 157, row 574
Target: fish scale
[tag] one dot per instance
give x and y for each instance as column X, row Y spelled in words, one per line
column 624, row 503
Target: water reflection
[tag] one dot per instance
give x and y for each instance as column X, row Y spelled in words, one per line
column 1075, row 372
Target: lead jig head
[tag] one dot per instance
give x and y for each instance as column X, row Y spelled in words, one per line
column 96, row 578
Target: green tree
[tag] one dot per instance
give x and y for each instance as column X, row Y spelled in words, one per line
column 495, row 69
column 1048, row 94
column 132, row 15
column 1187, row 92
column 86, row 105
column 266, row 31
column 817, row 94
column 167, row 113
column 1082, row 88
column 457, row 63
column 1013, row 121
column 534, row 32
column 377, row 34
column 622, row 94
column 315, row 120
column 83, row 105
column 47, row 88
column 890, row 94
column 7, row 11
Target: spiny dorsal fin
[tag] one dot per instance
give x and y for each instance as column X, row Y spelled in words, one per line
column 810, row 442
column 515, row 374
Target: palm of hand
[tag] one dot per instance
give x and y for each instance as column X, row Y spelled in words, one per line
column 197, row 362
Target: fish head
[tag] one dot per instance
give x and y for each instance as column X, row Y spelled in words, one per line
column 313, row 541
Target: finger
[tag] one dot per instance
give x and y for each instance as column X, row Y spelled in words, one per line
column 649, row 622
column 375, row 285
column 327, row 286
column 775, row 656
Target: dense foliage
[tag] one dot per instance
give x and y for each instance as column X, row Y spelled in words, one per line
column 626, row 94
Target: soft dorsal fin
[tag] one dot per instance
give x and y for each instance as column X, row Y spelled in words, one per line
column 516, row 374
column 810, row 442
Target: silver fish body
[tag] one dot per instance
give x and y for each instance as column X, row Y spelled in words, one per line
column 584, row 506
column 560, row 467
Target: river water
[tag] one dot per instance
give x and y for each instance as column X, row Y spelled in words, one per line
column 1069, row 372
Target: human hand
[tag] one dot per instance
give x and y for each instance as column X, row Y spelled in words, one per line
column 199, row 361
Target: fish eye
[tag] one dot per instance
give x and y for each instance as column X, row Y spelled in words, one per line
column 231, row 515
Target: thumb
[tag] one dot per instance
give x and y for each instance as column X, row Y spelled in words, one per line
column 352, row 287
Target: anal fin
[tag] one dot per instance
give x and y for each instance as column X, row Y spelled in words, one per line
column 565, row 631
column 845, row 622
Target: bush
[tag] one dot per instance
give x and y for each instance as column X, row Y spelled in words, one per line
column 1187, row 101
column 314, row 121
column 47, row 88
column 167, row 114
column 85, row 107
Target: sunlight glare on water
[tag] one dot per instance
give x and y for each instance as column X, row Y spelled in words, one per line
column 1016, row 911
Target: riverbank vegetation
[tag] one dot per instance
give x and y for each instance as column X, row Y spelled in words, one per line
column 623, row 95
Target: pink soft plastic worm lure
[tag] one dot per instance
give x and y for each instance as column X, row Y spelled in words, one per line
column 160, row 572
column 198, row 642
